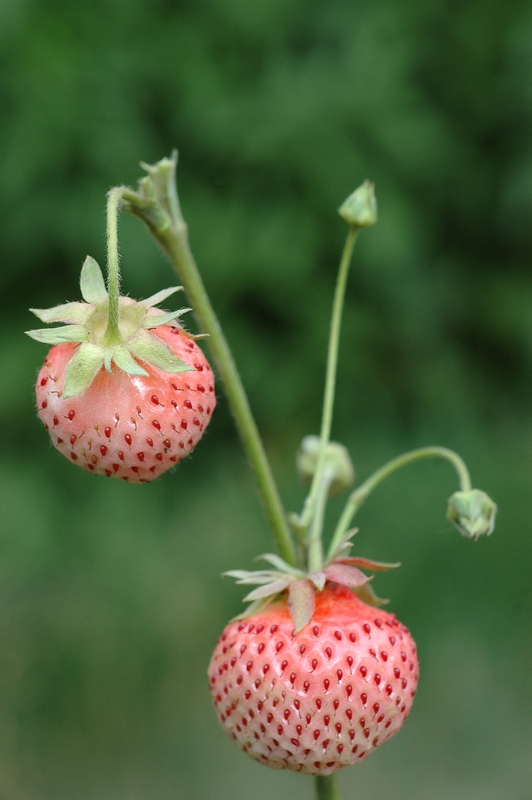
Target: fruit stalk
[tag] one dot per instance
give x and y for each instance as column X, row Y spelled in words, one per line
column 330, row 379
column 114, row 199
column 362, row 493
column 158, row 206
column 314, row 538
column 327, row 787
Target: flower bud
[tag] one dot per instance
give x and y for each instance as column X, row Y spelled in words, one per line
column 337, row 462
column 472, row 513
column 360, row 208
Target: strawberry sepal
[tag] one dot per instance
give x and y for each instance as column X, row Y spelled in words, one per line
column 301, row 603
column 366, row 563
column 124, row 361
column 158, row 297
column 149, row 348
column 91, row 282
column 269, row 589
column 71, row 313
column 82, row 369
column 346, row 575
column 133, row 347
column 63, row 335
column 301, row 587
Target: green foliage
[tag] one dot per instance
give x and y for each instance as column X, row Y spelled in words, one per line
column 279, row 110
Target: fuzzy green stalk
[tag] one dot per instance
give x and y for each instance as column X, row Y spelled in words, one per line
column 330, row 378
column 364, row 490
column 327, row 787
column 158, row 206
column 114, row 199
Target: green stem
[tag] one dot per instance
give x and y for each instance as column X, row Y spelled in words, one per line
column 314, row 540
column 327, row 787
column 330, row 378
column 114, row 199
column 165, row 221
column 359, row 495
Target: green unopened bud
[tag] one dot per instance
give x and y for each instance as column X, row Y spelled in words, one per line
column 360, row 208
column 337, row 462
column 472, row 513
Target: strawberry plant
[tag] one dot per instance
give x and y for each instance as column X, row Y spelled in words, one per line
column 314, row 675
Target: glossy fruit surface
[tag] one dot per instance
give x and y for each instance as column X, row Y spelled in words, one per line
column 319, row 700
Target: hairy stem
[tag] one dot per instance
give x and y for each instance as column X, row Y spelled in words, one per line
column 359, row 495
column 327, row 787
column 114, row 199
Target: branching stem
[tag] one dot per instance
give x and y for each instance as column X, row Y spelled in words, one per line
column 359, row 495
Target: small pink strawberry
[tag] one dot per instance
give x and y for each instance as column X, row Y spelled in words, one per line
column 131, row 406
column 321, row 698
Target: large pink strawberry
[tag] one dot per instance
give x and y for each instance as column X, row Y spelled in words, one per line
column 131, row 407
column 320, row 699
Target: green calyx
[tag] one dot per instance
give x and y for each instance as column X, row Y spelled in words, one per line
column 123, row 345
column 301, row 586
column 472, row 513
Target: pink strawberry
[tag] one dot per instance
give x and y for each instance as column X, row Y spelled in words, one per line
column 131, row 407
column 130, row 427
column 317, row 700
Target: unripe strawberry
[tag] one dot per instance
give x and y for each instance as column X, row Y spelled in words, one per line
column 317, row 700
column 128, row 399
column 132, row 427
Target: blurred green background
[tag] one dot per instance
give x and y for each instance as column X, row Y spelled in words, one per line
column 110, row 595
